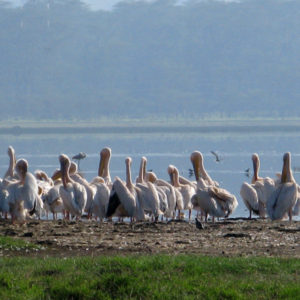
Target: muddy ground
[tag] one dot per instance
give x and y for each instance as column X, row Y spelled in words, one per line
column 232, row 237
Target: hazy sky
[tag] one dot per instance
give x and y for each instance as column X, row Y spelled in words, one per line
column 106, row 4
column 93, row 4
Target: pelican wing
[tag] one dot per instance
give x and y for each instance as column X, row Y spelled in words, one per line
column 249, row 196
column 80, row 198
column 282, row 200
column 219, row 193
column 101, row 200
column 125, row 197
column 203, row 200
column 148, row 195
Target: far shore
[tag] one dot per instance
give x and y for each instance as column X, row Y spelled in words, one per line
column 150, row 126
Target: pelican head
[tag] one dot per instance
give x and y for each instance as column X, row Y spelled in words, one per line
column 197, row 161
column 105, row 155
column 151, row 176
column 287, row 157
column 22, row 167
column 255, row 157
column 10, row 151
column 128, row 161
column 64, row 161
column 171, row 170
column 73, row 168
column 105, row 152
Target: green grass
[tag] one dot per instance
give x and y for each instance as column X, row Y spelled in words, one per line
column 155, row 277
column 8, row 243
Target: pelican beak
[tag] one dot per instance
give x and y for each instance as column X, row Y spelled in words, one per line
column 284, row 173
column 195, row 159
column 56, row 175
column 101, row 166
column 40, row 191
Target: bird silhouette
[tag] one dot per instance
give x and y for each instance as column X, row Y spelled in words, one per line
column 216, row 156
column 199, row 225
column 247, row 172
column 79, row 157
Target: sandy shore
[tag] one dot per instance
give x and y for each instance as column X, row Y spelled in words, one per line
column 232, row 237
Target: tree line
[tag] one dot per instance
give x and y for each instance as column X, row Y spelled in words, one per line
column 60, row 60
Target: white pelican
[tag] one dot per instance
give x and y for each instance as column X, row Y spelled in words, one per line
column 23, row 194
column 8, row 178
column 283, row 199
column 77, row 177
column 186, row 190
column 53, row 201
column 101, row 198
column 166, row 195
column 169, row 190
column 124, row 201
column 103, row 170
column 210, row 199
column 205, row 178
column 255, row 195
column 147, row 193
column 72, row 193
column 102, row 184
column 51, row 197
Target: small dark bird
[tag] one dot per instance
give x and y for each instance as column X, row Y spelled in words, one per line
column 216, row 156
column 199, row 225
column 79, row 157
column 191, row 173
column 247, row 172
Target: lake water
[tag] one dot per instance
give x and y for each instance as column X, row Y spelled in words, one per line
column 162, row 149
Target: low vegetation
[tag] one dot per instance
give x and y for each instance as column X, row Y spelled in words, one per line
column 157, row 276
column 11, row 244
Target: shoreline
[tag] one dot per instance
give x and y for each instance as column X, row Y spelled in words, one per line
column 229, row 238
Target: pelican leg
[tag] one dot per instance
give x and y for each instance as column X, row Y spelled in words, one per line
column 261, row 210
column 290, row 215
column 190, row 213
column 213, row 219
column 250, row 215
column 202, row 215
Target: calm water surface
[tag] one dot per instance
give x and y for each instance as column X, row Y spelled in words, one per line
column 162, row 149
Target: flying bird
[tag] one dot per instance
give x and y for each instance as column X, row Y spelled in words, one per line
column 218, row 159
column 191, row 173
column 247, row 172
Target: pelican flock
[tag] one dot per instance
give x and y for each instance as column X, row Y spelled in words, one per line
column 25, row 195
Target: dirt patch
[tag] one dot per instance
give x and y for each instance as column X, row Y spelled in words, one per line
column 232, row 237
